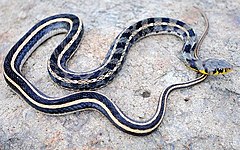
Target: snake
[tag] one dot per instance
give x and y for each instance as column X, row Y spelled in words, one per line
column 86, row 82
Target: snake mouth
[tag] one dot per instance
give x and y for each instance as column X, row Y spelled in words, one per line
column 221, row 71
column 215, row 72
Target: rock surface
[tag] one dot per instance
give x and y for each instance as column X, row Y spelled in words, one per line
column 206, row 116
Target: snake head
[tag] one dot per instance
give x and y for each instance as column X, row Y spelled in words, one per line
column 215, row 67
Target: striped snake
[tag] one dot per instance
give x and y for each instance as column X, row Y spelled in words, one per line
column 102, row 75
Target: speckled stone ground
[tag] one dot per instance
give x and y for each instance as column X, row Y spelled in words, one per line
column 206, row 116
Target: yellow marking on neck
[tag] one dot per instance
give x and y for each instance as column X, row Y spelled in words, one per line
column 203, row 72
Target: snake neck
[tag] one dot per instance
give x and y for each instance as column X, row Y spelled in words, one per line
column 196, row 65
column 191, row 61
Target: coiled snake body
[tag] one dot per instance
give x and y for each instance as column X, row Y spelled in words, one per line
column 57, row 67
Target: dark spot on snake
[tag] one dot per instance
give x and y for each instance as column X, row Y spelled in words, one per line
column 139, row 25
column 191, row 33
column 194, row 46
column 117, row 56
column 131, row 27
column 151, row 20
column 184, row 34
column 120, row 45
column 146, row 94
column 206, row 70
column 186, row 99
column 204, row 65
column 164, row 27
column 165, row 20
column 110, row 66
column 187, row 48
column 132, row 41
column 140, row 33
column 180, row 23
column 151, row 28
column 175, row 29
column 126, row 34
column 220, row 70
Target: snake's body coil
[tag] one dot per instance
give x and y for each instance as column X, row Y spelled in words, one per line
column 57, row 67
